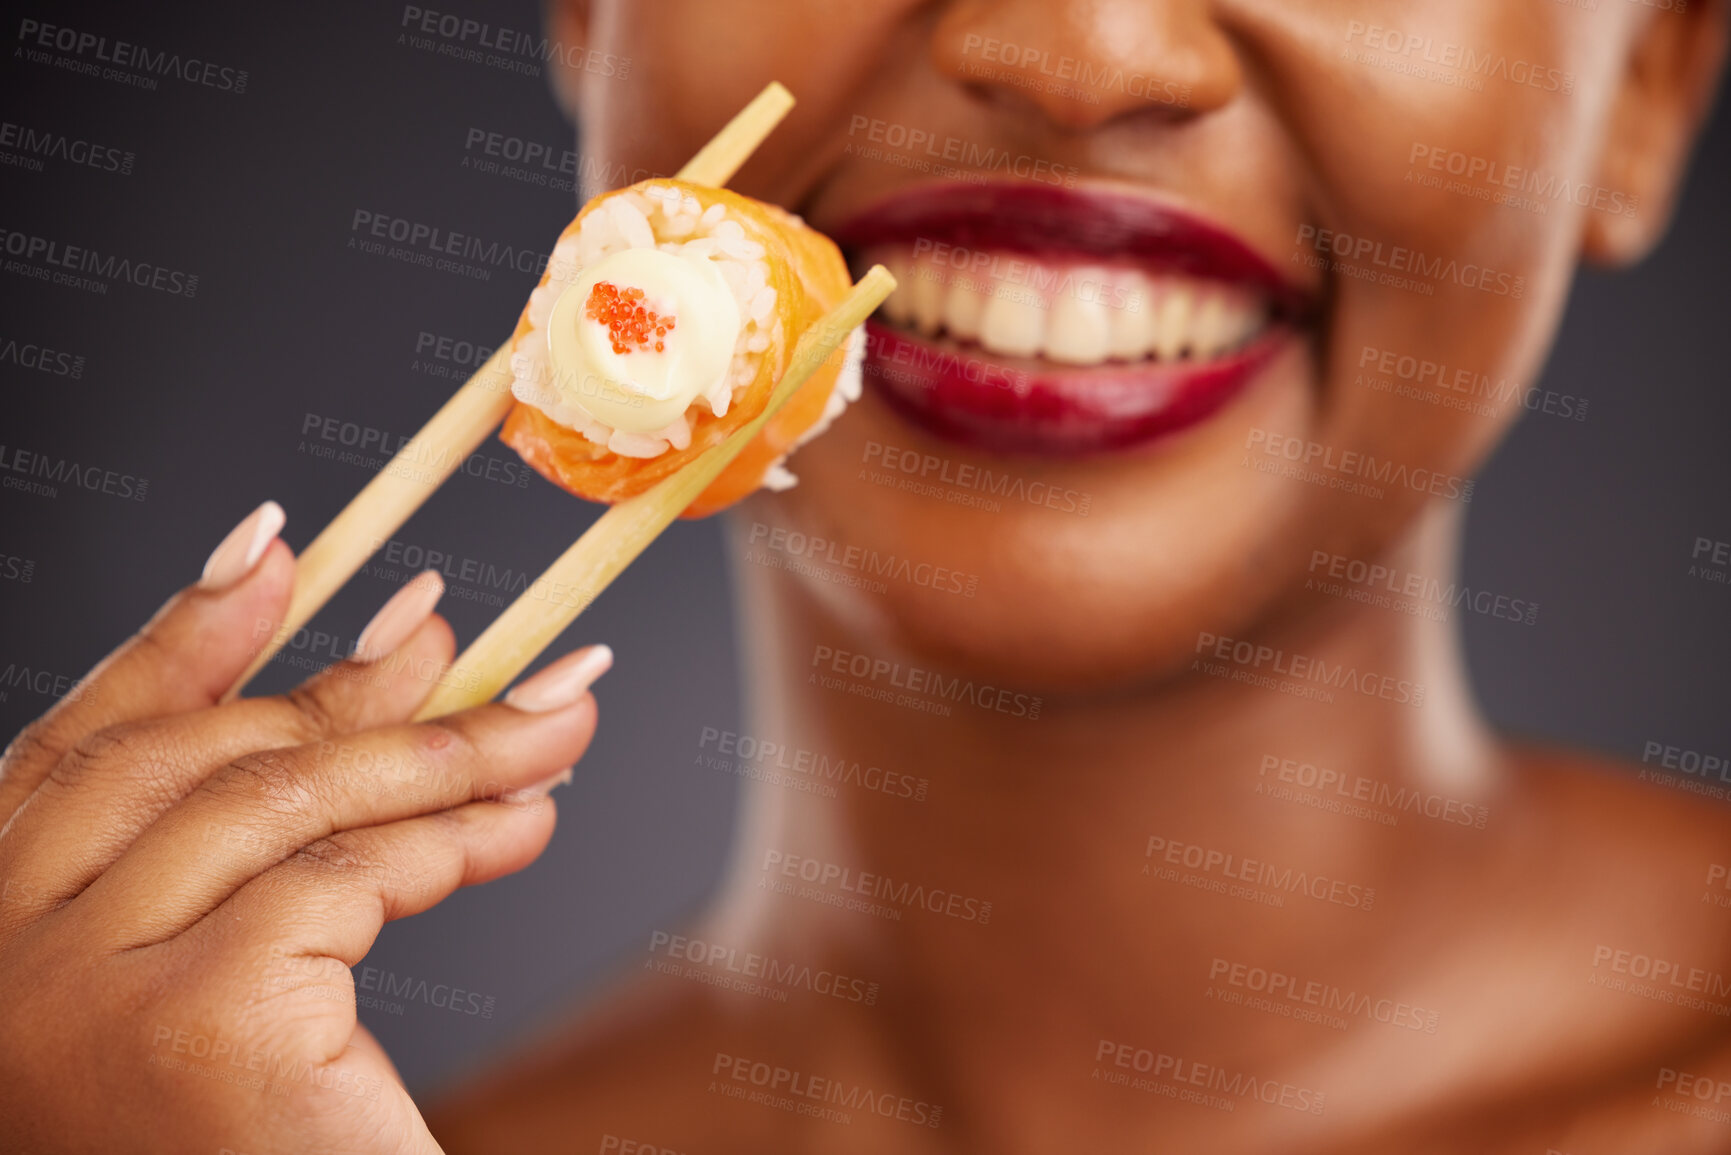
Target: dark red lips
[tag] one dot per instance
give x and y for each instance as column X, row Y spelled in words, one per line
column 985, row 401
column 1005, row 404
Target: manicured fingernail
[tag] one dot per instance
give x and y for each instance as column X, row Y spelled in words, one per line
column 563, row 682
column 542, row 789
column 241, row 549
column 399, row 617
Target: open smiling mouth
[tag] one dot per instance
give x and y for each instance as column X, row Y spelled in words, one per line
column 1032, row 319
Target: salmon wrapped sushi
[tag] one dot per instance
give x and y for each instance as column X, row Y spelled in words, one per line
column 667, row 314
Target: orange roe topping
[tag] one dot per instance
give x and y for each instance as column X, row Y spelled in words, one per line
column 631, row 325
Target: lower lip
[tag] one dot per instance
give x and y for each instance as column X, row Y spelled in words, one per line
column 963, row 395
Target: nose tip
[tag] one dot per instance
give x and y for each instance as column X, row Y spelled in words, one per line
column 1083, row 65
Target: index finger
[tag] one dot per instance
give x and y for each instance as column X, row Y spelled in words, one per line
column 259, row 810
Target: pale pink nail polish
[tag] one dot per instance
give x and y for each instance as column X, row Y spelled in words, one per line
column 241, row 549
column 399, row 617
column 542, row 789
column 563, row 682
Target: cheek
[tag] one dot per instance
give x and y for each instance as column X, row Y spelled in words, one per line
column 653, row 118
column 692, row 63
column 1450, row 144
column 1427, row 383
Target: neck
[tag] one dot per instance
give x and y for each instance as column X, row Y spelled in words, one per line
column 1133, row 848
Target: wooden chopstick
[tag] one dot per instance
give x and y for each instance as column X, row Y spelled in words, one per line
column 717, row 161
column 463, row 422
column 541, row 613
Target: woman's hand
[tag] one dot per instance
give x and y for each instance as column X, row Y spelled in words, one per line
column 184, row 886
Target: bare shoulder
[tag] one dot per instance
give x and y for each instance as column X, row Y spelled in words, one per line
column 1620, row 875
column 1628, row 869
column 664, row 1066
column 630, row 1075
column 1597, row 899
column 1639, row 817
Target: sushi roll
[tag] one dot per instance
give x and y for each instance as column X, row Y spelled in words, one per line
column 668, row 312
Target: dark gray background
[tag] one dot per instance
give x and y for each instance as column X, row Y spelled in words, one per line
column 206, row 398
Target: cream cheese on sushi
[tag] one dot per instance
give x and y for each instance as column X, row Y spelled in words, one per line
column 656, row 219
column 640, row 335
column 656, row 313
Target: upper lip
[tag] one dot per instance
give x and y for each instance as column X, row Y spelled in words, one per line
column 1088, row 223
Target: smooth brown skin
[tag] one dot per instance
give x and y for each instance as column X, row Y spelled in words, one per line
column 1493, row 929
column 183, row 885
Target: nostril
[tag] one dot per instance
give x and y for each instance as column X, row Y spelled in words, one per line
column 1081, row 66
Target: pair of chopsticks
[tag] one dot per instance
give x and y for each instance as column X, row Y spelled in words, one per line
column 554, row 600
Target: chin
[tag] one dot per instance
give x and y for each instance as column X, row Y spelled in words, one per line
column 1079, row 574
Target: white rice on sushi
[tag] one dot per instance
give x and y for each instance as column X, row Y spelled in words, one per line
column 665, row 218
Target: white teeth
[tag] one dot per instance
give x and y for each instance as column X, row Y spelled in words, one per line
column 1132, row 327
column 1172, row 325
column 1210, row 332
column 1072, row 314
column 1080, row 330
column 965, row 308
column 1245, row 317
column 1014, row 322
column 925, row 289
